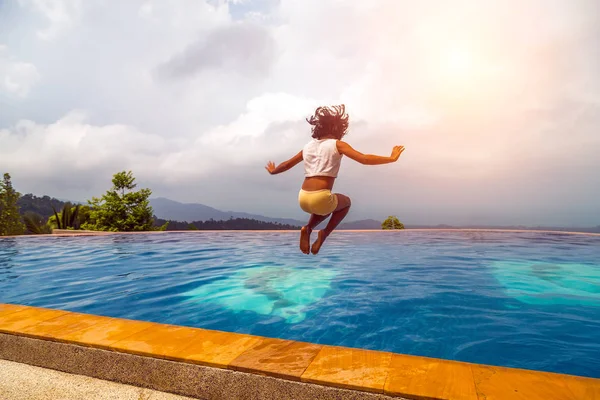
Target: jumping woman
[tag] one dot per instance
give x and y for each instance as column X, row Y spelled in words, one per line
column 322, row 156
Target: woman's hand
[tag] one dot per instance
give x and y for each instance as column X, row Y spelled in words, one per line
column 270, row 167
column 396, row 152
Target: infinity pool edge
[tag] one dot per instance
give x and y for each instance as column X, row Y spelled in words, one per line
column 71, row 233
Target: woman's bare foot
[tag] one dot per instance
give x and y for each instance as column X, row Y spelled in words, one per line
column 321, row 236
column 305, row 239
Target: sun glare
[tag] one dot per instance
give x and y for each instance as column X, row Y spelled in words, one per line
column 457, row 63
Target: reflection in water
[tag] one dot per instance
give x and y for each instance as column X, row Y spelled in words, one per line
column 549, row 283
column 280, row 291
column 8, row 251
column 123, row 245
column 549, row 272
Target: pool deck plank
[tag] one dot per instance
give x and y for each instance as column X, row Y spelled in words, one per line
column 217, row 349
column 349, row 369
column 277, row 357
column 22, row 319
column 430, row 378
column 103, row 334
column 6, row 309
column 63, row 325
column 499, row 383
column 390, row 374
column 161, row 341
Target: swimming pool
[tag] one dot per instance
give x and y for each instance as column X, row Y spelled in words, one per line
column 517, row 299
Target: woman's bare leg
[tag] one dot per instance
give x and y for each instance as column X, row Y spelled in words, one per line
column 338, row 215
column 306, row 230
column 316, row 219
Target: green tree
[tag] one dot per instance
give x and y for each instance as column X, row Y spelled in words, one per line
column 392, row 222
column 10, row 219
column 121, row 209
column 84, row 215
column 35, row 224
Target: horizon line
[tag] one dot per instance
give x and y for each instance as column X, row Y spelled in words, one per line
column 416, row 225
column 107, row 233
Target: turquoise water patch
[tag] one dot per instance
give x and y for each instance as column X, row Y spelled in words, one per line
column 285, row 292
column 549, row 283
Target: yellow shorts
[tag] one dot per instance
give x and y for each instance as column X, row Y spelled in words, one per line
column 320, row 202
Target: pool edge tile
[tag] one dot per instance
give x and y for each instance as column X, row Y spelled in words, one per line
column 91, row 336
column 217, row 349
column 430, row 378
column 503, row 383
column 281, row 358
column 349, row 368
column 7, row 308
column 56, row 329
column 15, row 322
column 157, row 340
column 306, row 362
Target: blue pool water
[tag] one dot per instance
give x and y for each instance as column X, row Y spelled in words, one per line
column 528, row 300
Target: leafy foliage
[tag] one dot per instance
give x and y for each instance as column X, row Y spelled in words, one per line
column 35, row 224
column 392, row 222
column 68, row 218
column 121, row 209
column 10, row 219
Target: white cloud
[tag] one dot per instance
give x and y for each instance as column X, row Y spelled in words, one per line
column 71, row 147
column 16, row 77
column 243, row 47
column 191, row 94
column 62, row 15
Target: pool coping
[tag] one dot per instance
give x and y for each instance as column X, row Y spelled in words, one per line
column 71, row 233
column 55, row 338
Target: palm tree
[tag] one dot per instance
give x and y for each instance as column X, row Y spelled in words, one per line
column 34, row 224
column 67, row 218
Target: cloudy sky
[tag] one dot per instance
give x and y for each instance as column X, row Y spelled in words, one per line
column 497, row 102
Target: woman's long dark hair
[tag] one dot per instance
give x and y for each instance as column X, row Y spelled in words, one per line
column 329, row 121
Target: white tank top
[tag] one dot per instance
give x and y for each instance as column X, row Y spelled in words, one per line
column 321, row 158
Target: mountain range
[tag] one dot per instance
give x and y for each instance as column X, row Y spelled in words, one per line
column 173, row 210
column 187, row 212
column 167, row 209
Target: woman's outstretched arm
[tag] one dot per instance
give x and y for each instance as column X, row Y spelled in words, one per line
column 368, row 159
column 284, row 166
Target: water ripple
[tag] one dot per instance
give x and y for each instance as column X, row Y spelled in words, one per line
column 518, row 299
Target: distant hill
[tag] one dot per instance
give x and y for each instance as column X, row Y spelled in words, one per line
column 166, row 209
column 230, row 224
column 173, row 210
column 184, row 213
column 40, row 205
